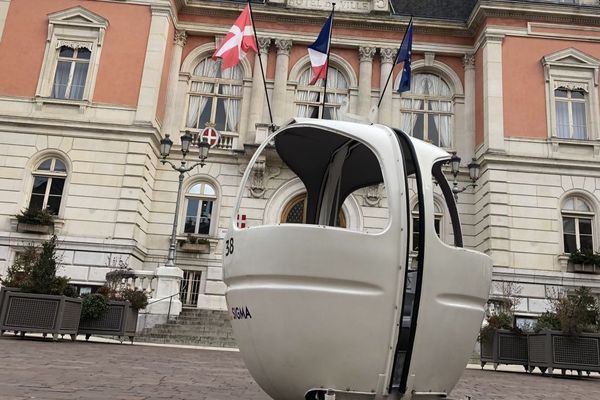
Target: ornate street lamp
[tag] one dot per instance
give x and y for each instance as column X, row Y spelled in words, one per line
column 165, row 149
column 455, row 167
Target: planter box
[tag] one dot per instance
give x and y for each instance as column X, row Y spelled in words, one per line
column 120, row 320
column 549, row 350
column 504, row 347
column 34, row 228
column 4, row 290
column 587, row 268
column 41, row 313
column 195, row 247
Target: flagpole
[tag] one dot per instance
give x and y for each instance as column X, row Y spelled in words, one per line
column 262, row 69
column 395, row 62
column 327, row 63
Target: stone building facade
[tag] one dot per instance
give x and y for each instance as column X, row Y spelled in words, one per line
column 85, row 103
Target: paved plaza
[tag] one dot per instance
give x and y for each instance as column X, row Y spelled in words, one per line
column 36, row 369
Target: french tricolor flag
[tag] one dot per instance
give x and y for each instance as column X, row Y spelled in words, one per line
column 319, row 50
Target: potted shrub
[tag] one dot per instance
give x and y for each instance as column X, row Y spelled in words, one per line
column 501, row 342
column 568, row 337
column 43, row 302
column 195, row 244
column 35, row 221
column 585, row 261
column 113, row 309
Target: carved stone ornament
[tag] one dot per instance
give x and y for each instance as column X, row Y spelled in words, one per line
column 571, row 86
column 261, row 174
column 283, row 46
column 366, row 53
column 180, row 38
column 388, row 55
column 373, row 195
column 263, row 44
column 74, row 45
column 429, row 58
column 353, row 6
column 469, row 60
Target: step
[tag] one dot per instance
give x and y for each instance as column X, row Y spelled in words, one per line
column 195, row 327
column 186, row 340
column 207, row 331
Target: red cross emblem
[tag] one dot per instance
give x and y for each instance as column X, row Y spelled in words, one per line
column 210, row 135
column 241, row 221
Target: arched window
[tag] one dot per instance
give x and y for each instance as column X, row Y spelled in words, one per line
column 215, row 96
column 48, row 184
column 415, row 224
column 309, row 98
column 426, row 111
column 199, row 208
column 295, row 212
column 577, row 218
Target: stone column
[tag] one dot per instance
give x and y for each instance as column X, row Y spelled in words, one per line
column 257, row 105
column 468, row 140
column 152, row 73
column 170, row 122
column 281, row 78
column 364, row 79
column 493, row 102
column 387, row 64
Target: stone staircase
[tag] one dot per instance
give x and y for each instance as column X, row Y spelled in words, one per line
column 193, row 327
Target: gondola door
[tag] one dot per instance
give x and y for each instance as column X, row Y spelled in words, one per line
column 452, row 288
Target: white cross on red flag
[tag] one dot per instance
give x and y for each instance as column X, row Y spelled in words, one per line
column 210, row 135
column 238, row 41
column 241, row 221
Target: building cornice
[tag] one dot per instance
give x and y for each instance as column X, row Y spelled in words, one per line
column 271, row 13
column 71, row 128
column 552, row 164
column 533, row 11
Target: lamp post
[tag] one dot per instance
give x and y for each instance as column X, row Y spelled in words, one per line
column 165, row 149
column 473, row 174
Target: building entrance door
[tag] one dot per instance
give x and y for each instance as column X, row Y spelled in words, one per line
column 190, row 288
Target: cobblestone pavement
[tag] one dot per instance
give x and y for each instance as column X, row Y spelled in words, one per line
column 36, row 369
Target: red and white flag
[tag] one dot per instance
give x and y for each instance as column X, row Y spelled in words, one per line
column 241, row 221
column 238, row 41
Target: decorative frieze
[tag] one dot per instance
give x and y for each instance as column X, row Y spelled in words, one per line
column 74, row 44
column 571, row 85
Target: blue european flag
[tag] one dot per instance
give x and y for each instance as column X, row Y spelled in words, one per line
column 404, row 56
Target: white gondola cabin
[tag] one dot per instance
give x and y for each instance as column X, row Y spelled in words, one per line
column 322, row 311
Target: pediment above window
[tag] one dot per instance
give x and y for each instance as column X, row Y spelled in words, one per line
column 573, row 60
column 78, row 16
column 571, row 57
